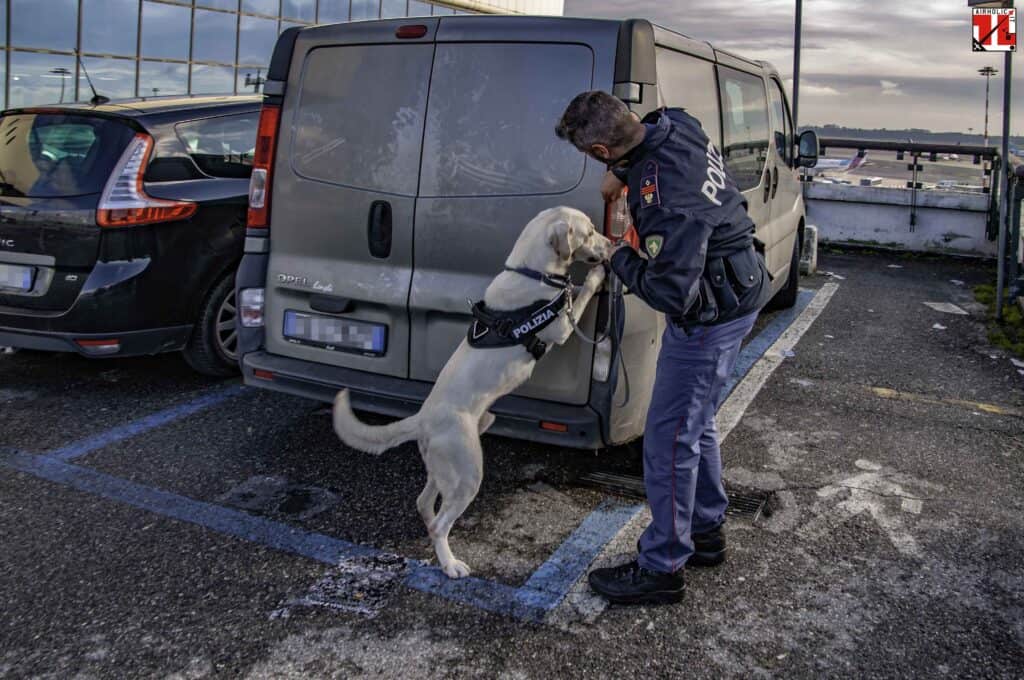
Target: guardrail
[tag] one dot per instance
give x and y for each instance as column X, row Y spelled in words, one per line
column 987, row 156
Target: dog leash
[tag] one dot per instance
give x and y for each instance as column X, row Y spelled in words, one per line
column 607, row 333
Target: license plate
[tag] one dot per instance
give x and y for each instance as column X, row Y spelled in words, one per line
column 334, row 333
column 16, row 277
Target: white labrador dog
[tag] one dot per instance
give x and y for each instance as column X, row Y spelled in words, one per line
column 456, row 412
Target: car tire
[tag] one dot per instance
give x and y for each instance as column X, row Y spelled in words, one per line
column 211, row 348
column 786, row 297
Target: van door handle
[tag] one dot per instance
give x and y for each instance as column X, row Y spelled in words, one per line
column 378, row 229
column 767, row 184
column 775, row 180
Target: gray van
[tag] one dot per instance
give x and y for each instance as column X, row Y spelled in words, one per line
column 397, row 162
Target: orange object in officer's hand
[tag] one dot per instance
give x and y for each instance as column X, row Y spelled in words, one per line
column 618, row 224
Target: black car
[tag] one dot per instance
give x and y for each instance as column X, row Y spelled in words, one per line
column 122, row 224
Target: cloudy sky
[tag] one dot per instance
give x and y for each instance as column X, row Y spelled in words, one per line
column 864, row 64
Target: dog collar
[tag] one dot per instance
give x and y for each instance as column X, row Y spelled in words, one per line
column 553, row 280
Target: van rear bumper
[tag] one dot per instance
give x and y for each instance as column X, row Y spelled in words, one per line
column 517, row 417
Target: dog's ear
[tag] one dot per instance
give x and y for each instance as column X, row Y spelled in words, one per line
column 565, row 239
column 559, row 239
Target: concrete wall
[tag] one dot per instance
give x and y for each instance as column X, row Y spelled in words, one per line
column 946, row 222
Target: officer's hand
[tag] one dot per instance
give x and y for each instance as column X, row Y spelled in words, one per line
column 611, row 187
column 616, row 247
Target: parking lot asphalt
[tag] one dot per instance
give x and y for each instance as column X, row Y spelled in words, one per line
column 156, row 524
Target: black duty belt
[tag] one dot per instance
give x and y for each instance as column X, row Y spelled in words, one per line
column 492, row 328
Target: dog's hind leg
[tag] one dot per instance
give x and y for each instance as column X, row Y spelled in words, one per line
column 459, row 481
column 427, row 500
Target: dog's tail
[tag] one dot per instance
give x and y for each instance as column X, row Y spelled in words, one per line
column 369, row 438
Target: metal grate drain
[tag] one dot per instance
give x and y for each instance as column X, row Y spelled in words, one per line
column 746, row 504
column 742, row 503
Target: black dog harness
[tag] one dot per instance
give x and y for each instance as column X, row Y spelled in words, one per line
column 493, row 329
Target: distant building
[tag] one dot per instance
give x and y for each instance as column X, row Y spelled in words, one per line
column 161, row 47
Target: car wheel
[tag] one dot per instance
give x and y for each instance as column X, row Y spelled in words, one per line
column 213, row 347
column 786, row 297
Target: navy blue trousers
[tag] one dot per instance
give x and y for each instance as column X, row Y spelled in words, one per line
column 682, row 462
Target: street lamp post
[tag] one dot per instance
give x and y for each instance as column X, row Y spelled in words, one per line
column 63, row 73
column 255, row 83
column 796, row 65
column 987, row 72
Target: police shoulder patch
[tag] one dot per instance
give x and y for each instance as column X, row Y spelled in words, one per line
column 653, row 244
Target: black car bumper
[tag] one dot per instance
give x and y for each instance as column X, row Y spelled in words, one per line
column 130, row 343
column 517, row 417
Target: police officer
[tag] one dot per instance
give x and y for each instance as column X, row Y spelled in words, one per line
column 699, row 266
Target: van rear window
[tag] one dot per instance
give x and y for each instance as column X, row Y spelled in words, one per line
column 58, row 155
column 359, row 121
column 492, row 115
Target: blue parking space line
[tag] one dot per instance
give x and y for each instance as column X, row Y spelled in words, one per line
column 223, row 520
column 150, row 422
column 482, row 594
column 552, row 581
column 754, row 349
column 487, row 595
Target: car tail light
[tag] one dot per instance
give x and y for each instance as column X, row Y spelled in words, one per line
column 554, row 427
column 250, row 307
column 99, row 347
column 263, row 375
column 618, row 225
column 262, row 165
column 124, row 202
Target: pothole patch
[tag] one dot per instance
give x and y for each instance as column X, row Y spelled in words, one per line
column 276, row 497
column 361, row 585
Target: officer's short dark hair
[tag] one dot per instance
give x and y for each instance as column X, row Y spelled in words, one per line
column 595, row 117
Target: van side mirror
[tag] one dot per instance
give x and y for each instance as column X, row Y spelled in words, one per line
column 808, row 149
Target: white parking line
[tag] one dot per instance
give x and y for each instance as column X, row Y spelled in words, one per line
column 743, row 395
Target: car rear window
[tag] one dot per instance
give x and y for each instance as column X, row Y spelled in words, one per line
column 492, row 115
column 223, row 146
column 360, row 116
column 50, row 155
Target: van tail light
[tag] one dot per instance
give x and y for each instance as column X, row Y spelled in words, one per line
column 411, row 31
column 618, row 224
column 124, row 202
column 262, row 167
column 250, row 307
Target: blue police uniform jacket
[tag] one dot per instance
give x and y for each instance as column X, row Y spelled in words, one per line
column 700, row 266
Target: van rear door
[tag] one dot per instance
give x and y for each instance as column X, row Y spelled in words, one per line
column 491, row 162
column 347, row 170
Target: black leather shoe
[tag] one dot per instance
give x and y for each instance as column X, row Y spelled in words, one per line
column 709, row 548
column 632, row 584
